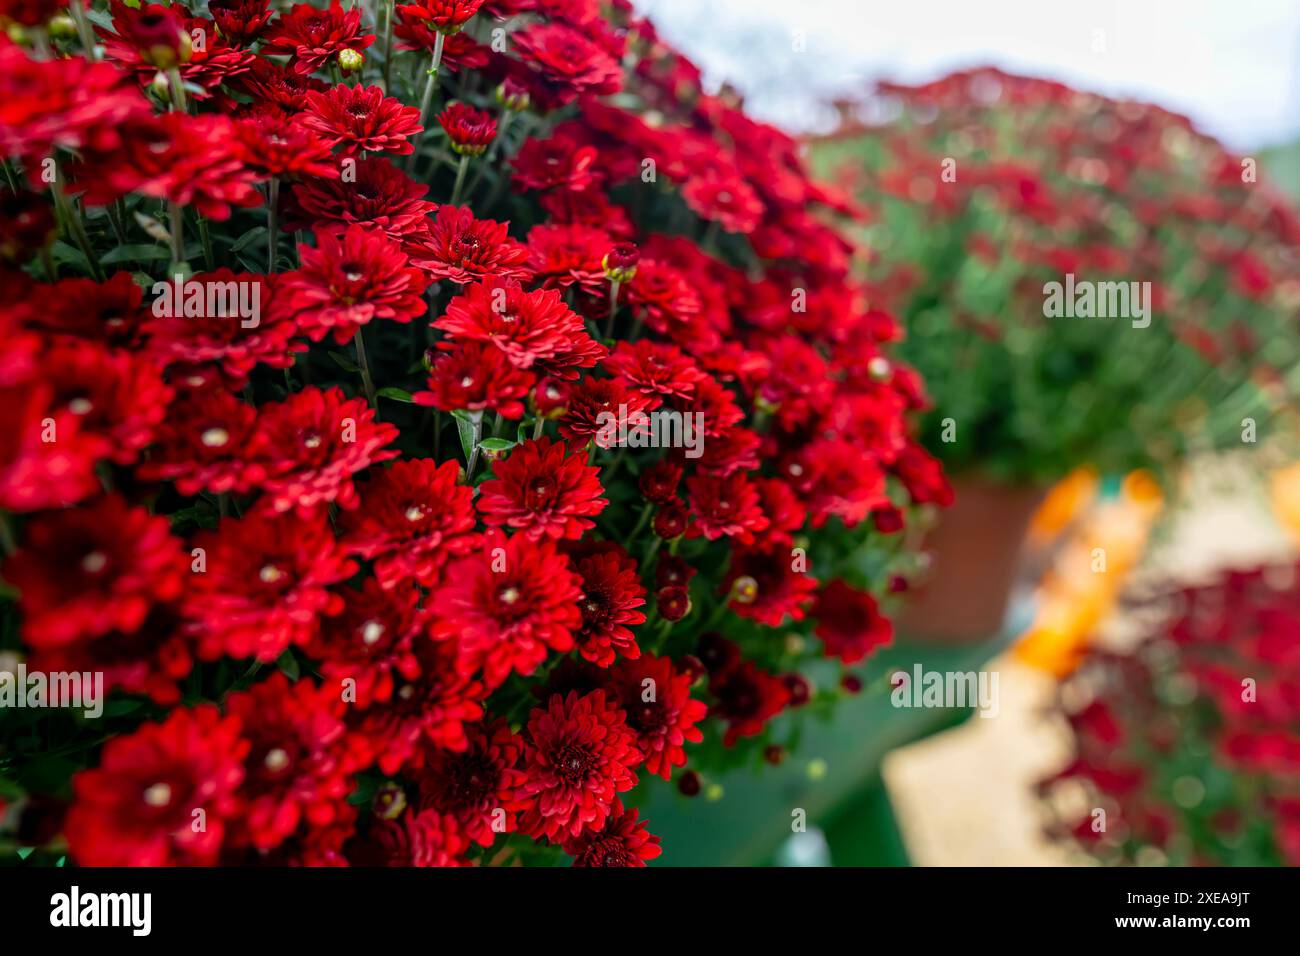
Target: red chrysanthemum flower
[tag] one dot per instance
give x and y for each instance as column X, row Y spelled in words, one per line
column 318, row 440
column 413, row 517
column 568, row 63
column 382, row 197
column 663, row 296
column 558, row 162
column 272, row 85
column 444, row 16
column 766, row 584
column 311, row 36
column 611, row 593
column 362, row 119
column 140, row 805
column 240, row 21
column 580, row 755
column 476, row 376
column 541, row 490
column 459, row 50
column 463, row 249
column 655, row 369
column 656, row 698
column 209, row 442
column 264, row 585
column 432, row 709
column 90, row 570
column 469, row 130
column 151, row 37
column 150, row 660
column 534, row 329
column 110, row 312
column 275, row 144
column 477, row 784
column 624, row 841
column 509, row 605
column 296, row 770
column 348, row 281
column 724, row 507
column 565, row 255
column 726, row 200
column 369, row 648
column 747, row 698
column 849, row 622
column 45, row 462
column 116, row 395
column 188, row 159
column 600, row 410
column 423, row 839
column 67, row 102
column 216, row 333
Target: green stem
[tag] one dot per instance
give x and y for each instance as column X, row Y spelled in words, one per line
column 388, row 46
column 84, row 31
column 176, row 87
column 272, row 221
column 426, row 101
column 460, row 179
column 209, row 261
column 613, row 308
column 72, row 223
column 474, row 452
column 364, row 363
column 176, row 220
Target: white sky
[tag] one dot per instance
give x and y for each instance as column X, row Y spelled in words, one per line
column 1232, row 65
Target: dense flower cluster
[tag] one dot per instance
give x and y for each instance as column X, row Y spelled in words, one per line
column 984, row 188
column 397, row 425
column 1188, row 743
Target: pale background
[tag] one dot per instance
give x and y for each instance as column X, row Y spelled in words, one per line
column 1232, row 65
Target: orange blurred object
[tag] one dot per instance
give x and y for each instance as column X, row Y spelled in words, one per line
column 1088, row 574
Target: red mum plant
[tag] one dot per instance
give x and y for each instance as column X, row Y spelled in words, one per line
column 361, row 119
column 580, row 754
column 543, row 491
column 395, row 543
column 623, row 842
column 140, row 805
column 347, row 281
column 1184, row 744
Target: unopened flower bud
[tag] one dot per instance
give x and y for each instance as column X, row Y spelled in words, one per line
column 620, row 262
column 744, row 590
column 389, row 801
column 351, row 61
column 61, row 27
column 674, row 603
column 513, row 95
column 161, row 39
column 670, row 522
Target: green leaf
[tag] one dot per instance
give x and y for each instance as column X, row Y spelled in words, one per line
column 466, row 426
column 256, row 234
column 344, row 363
column 496, row 444
column 137, row 252
column 396, row 394
column 289, row 664
column 64, row 253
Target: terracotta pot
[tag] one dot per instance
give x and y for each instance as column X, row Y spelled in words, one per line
column 975, row 552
